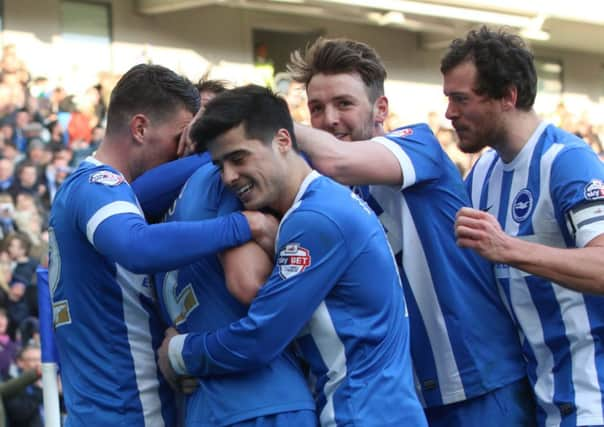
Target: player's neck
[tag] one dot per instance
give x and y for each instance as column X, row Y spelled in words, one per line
column 298, row 170
column 109, row 154
column 519, row 127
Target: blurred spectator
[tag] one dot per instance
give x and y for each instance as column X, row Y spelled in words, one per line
column 6, row 129
column 8, row 347
column 32, row 224
column 294, row 94
column 29, row 330
column 263, row 65
column 26, row 408
column 18, row 246
column 11, row 64
column 10, row 152
column 57, row 135
column 37, row 153
column 28, row 180
column 22, row 119
column 57, row 170
column 392, row 122
column 7, row 169
column 7, row 210
column 14, row 386
column 17, row 307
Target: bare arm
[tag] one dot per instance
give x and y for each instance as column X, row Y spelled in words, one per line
column 350, row 163
column 580, row 269
column 246, row 268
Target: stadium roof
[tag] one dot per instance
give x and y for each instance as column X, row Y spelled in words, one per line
column 575, row 25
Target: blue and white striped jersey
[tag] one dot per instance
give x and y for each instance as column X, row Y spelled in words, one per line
column 463, row 341
column 335, row 286
column 106, row 319
column 195, row 298
column 552, row 193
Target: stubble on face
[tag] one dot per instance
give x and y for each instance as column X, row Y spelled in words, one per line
column 340, row 104
column 474, row 116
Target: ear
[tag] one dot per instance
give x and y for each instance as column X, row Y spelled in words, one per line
column 139, row 124
column 380, row 110
column 283, row 140
column 510, row 96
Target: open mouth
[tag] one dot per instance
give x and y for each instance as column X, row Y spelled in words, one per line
column 340, row 135
column 241, row 192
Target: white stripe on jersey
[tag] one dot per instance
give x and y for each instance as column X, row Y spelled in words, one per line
column 141, row 346
column 333, row 353
column 584, row 372
column 408, row 171
column 529, row 319
column 480, row 173
column 574, row 311
column 107, row 211
column 416, row 267
column 588, row 397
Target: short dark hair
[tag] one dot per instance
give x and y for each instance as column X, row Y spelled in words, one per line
column 22, row 238
column 502, row 59
column 152, row 90
column 214, row 86
column 261, row 112
column 338, row 56
column 27, row 346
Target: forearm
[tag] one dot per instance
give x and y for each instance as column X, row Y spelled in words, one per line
column 143, row 248
column 246, row 268
column 580, row 269
column 14, row 386
column 324, row 151
column 349, row 163
column 157, row 189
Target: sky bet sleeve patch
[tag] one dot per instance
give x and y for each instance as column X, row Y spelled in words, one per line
column 293, row 259
column 594, row 190
column 106, row 178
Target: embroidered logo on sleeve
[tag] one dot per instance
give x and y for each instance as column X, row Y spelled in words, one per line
column 293, row 259
column 594, row 190
column 402, row 133
column 106, row 178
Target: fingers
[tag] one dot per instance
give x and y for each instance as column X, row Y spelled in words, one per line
column 170, row 332
column 188, row 385
column 182, row 144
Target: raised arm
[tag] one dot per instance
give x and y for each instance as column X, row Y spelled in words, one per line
column 350, row 163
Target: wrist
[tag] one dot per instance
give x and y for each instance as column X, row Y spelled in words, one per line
column 175, row 347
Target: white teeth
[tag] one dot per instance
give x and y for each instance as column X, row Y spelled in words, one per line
column 244, row 189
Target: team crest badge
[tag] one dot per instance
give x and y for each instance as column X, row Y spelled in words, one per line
column 293, row 259
column 106, row 178
column 594, row 190
column 402, row 133
column 522, row 205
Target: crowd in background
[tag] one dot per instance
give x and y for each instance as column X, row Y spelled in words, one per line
column 44, row 134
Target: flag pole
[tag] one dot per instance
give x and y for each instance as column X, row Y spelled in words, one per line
column 50, row 385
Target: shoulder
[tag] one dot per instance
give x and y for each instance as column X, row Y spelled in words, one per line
column 410, row 137
column 328, row 205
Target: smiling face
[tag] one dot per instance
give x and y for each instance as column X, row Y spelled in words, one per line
column 340, row 105
column 476, row 118
column 253, row 170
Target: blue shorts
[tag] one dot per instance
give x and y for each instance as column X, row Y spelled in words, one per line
column 303, row 418
column 510, row 405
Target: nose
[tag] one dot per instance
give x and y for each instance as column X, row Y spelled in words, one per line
column 451, row 112
column 229, row 174
column 332, row 116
